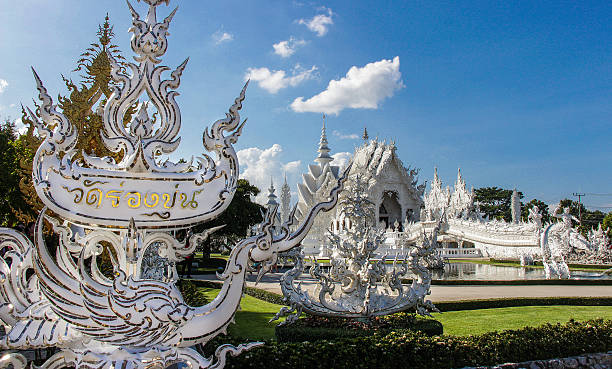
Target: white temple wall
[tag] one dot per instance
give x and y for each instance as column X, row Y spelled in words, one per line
column 507, row 252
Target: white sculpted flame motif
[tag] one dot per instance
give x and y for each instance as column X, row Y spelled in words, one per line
column 127, row 207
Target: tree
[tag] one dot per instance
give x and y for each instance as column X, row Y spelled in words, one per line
column 241, row 214
column 590, row 219
column 607, row 224
column 495, row 202
column 80, row 107
column 11, row 199
column 543, row 210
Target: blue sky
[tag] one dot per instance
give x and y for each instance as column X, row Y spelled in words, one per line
column 517, row 93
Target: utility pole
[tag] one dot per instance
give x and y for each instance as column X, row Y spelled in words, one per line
column 579, row 195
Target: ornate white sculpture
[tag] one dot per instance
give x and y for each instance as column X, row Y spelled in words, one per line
column 559, row 240
column 461, row 203
column 129, row 208
column 437, row 200
column 356, row 284
column 602, row 250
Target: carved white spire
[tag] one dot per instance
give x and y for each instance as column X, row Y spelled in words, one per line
column 324, row 150
column 515, row 207
column 319, row 175
column 462, row 200
column 271, row 195
column 285, row 199
column 437, row 199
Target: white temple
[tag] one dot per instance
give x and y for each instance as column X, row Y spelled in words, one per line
column 407, row 212
column 393, row 189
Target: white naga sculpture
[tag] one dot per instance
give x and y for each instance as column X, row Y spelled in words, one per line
column 56, row 296
column 356, row 284
column 559, row 241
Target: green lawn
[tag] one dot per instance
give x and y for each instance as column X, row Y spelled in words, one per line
column 252, row 320
column 468, row 322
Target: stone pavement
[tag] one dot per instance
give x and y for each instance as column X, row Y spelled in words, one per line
column 270, row 282
column 587, row 361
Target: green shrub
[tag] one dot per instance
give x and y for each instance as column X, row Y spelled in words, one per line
column 313, row 328
column 407, row 349
column 192, row 295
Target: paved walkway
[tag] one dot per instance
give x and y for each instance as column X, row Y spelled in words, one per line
column 270, row 282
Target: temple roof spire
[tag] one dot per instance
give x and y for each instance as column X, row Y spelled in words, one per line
column 365, row 136
column 324, row 150
column 285, row 200
column 271, row 196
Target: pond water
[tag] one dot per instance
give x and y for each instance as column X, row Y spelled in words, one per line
column 475, row 271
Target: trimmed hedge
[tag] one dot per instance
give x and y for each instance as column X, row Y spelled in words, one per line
column 268, row 296
column 258, row 293
column 519, row 282
column 409, row 349
column 191, row 293
column 313, row 328
column 212, row 263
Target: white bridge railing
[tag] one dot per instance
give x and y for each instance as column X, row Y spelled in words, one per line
column 459, row 253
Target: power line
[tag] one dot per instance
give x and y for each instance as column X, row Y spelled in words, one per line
column 597, row 194
column 579, row 195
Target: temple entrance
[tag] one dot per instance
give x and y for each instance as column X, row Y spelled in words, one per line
column 390, row 210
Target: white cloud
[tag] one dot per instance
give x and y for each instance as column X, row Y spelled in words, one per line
column 352, row 136
column 341, row 159
column 273, row 81
column 361, row 88
column 220, row 37
column 20, row 127
column 3, row 85
column 287, row 48
column 319, row 24
column 259, row 165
